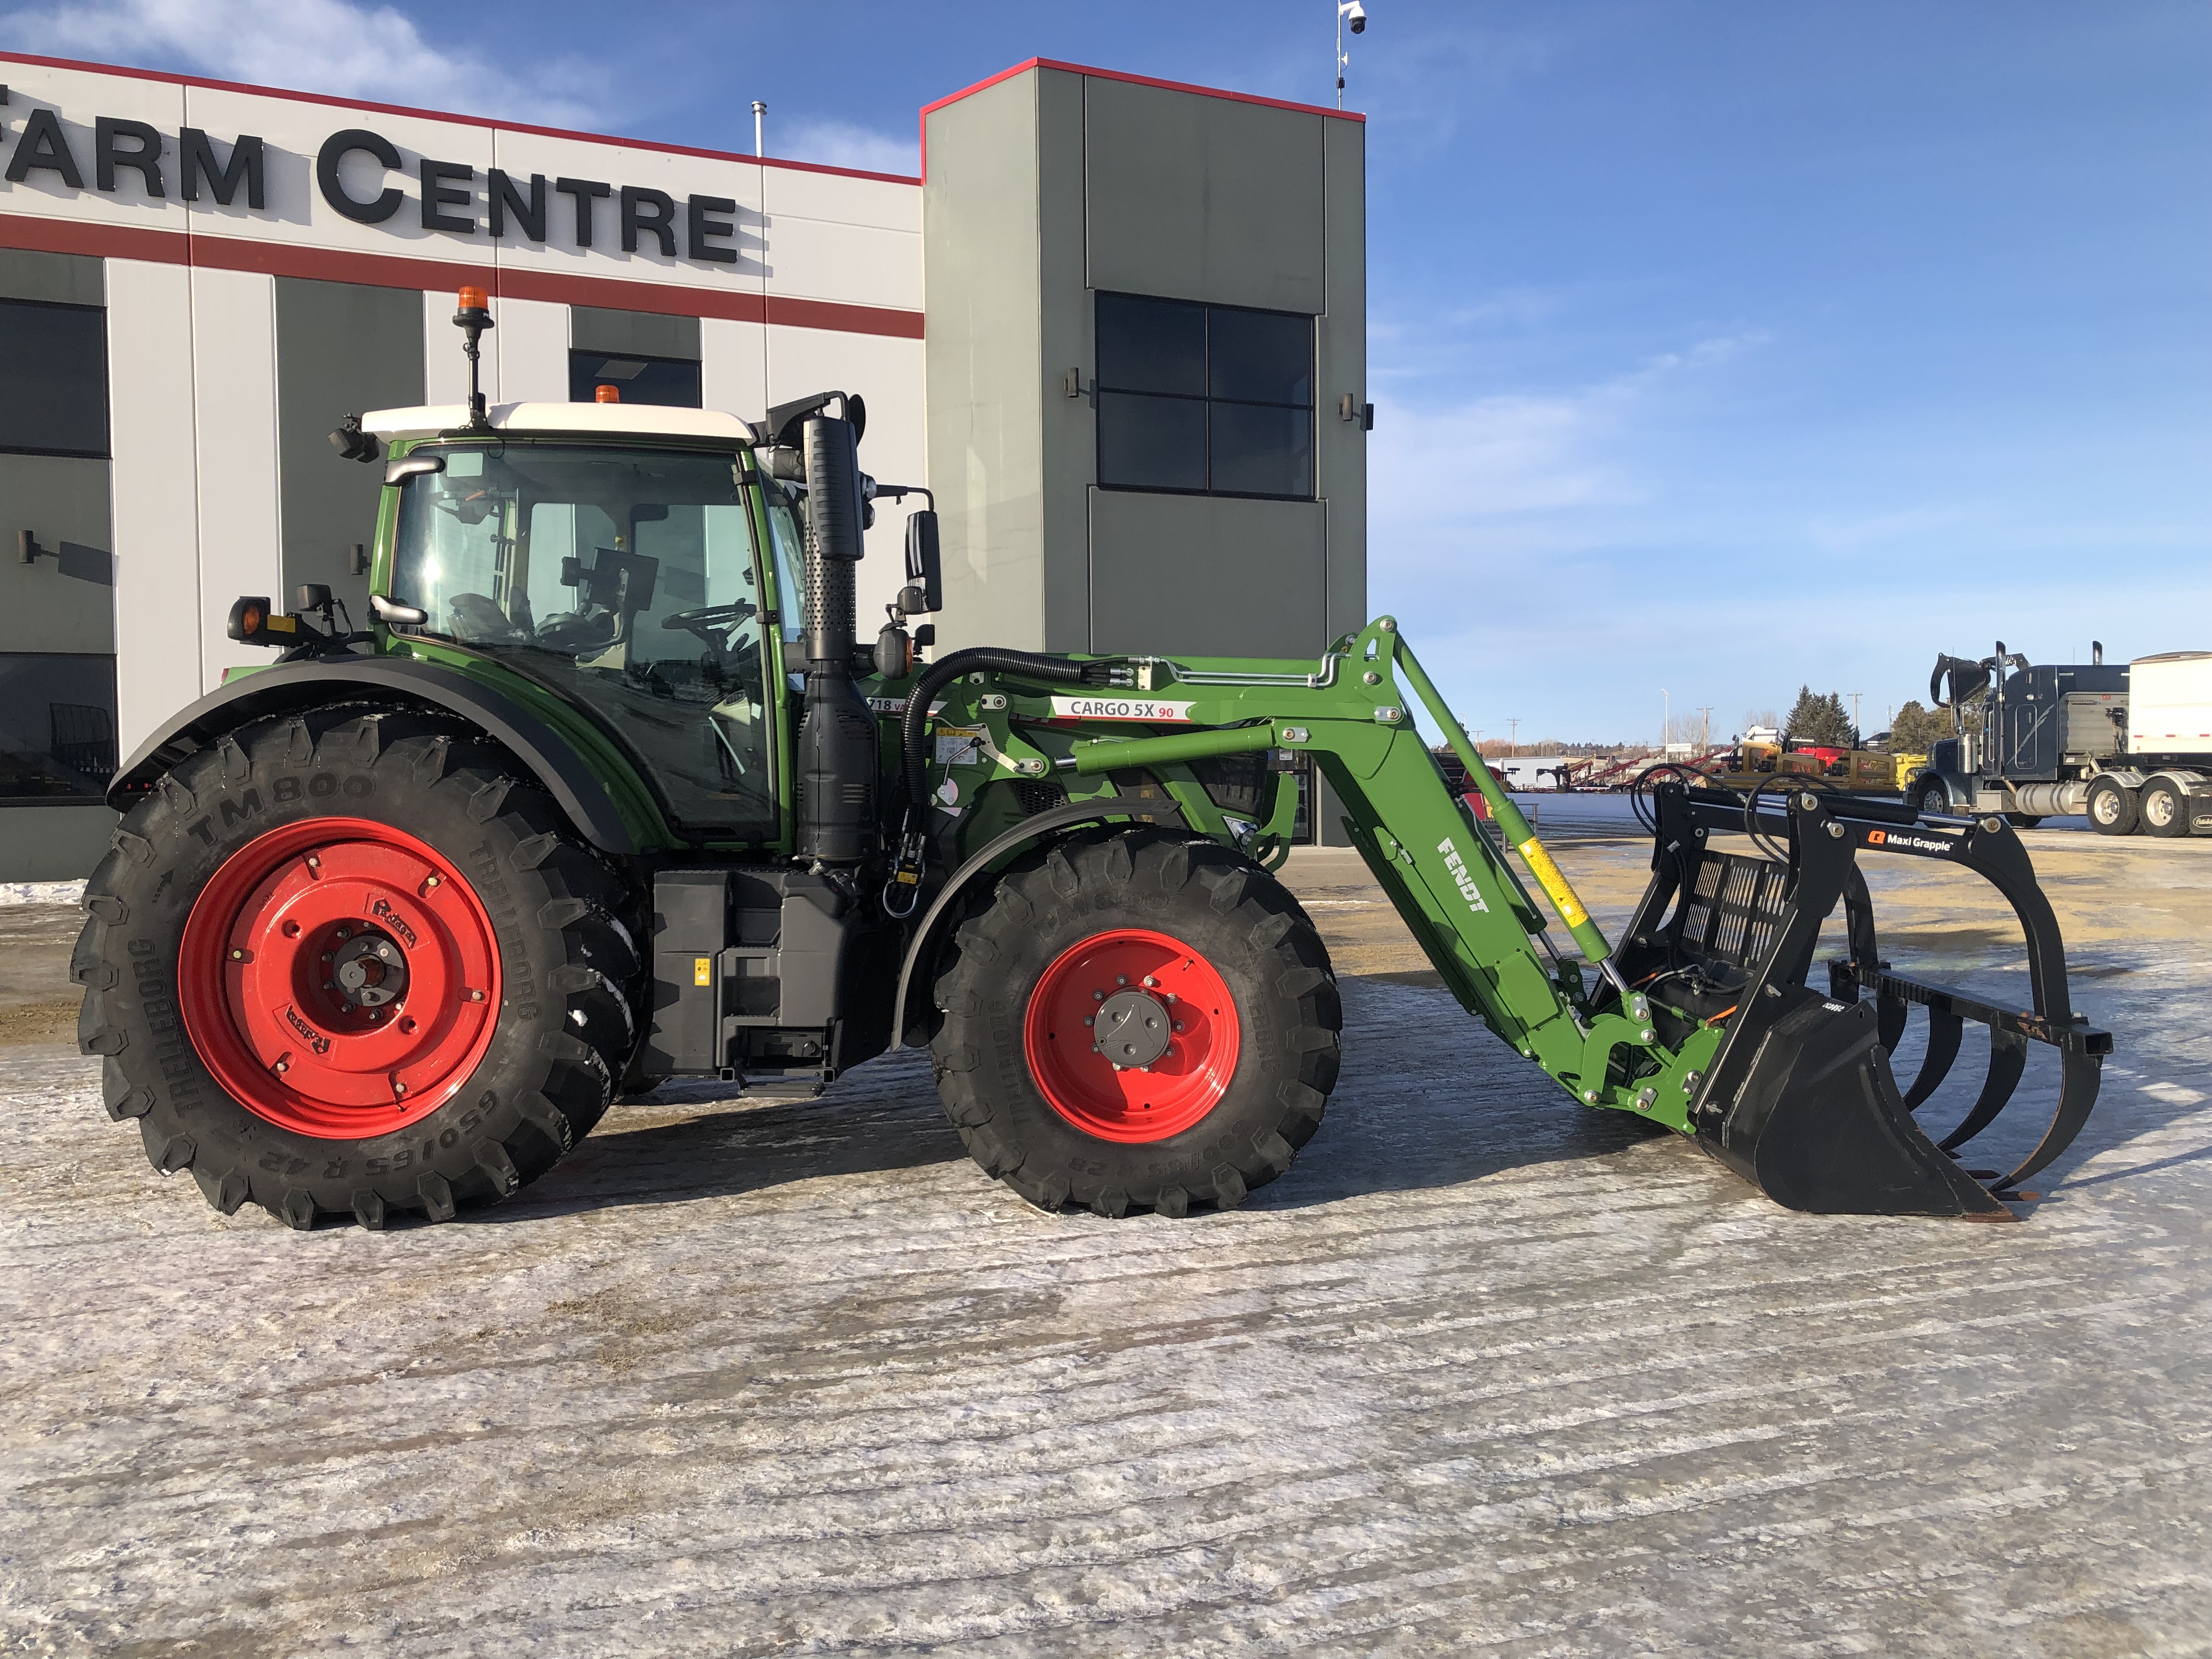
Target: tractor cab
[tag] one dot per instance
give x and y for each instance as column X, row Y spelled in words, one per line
column 636, row 576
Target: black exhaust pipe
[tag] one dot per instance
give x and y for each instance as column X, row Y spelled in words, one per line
column 837, row 822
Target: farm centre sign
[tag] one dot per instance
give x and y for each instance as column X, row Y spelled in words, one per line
column 353, row 168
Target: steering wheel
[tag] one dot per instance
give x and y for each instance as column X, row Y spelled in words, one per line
column 710, row 616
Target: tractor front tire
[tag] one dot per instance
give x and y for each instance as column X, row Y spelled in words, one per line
column 349, row 963
column 1136, row 1020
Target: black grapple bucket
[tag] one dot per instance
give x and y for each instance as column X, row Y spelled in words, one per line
column 1800, row 1098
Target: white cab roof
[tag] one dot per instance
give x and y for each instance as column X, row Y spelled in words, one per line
column 630, row 420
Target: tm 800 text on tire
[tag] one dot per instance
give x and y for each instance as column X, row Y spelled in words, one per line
column 1135, row 1020
column 347, row 963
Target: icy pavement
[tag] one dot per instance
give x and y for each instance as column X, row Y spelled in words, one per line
column 1486, row 1374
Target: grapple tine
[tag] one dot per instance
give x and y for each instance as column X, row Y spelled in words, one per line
column 2007, row 1061
column 1944, row 1030
column 2078, row 1079
column 1889, row 1016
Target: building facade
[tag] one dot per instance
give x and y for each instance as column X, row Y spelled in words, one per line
column 198, row 281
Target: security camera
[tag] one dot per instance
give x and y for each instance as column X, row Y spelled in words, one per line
column 1355, row 15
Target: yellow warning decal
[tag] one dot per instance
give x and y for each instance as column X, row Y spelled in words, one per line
column 1549, row 878
column 702, row 970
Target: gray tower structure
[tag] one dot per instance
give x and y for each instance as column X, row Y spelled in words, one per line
column 1147, row 353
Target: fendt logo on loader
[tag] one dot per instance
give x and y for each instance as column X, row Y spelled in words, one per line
column 1457, row 866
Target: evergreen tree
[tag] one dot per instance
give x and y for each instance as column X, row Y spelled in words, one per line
column 1817, row 719
column 1915, row 729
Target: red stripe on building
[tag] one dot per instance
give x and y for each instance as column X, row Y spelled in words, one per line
column 173, row 247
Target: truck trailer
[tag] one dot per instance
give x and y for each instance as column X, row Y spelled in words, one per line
column 2129, row 744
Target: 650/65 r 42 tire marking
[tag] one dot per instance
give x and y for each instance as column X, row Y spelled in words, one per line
column 339, row 977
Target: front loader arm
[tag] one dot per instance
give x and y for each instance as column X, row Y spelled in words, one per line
column 1451, row 883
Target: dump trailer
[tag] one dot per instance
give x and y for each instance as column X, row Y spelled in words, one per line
column 2129, row 744
column 609, row 792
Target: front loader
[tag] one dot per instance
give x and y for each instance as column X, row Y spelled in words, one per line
column 609, row 792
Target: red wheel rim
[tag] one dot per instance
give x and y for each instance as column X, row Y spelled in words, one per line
column 1140, row 971
column 339, row 978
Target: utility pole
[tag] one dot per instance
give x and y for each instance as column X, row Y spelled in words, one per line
column 1513, row 735
column 1705, row 727
column 1855, row 719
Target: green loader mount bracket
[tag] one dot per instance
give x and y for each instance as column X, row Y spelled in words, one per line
column 1705, row 1021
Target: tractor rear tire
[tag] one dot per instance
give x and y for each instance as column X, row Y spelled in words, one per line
column 2166, row 809
column 2112, row 807
column 1218, row 994
column 487, row 971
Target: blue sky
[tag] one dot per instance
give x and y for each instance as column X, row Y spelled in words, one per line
column 1717, row 346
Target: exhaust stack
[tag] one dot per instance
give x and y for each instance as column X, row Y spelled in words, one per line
column 837, row 822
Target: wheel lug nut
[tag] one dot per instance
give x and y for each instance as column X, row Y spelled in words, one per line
column 1178, row 1025
column 1090, row 1020
column 1098, row 996
column 430, row 881
column 238, row 955
column 1151, row 981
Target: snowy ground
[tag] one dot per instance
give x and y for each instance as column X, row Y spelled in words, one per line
column 1485, row 1374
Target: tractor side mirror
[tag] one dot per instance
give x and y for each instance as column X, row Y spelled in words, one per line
column 393, row 614
column 925, row 571
column 408, row 466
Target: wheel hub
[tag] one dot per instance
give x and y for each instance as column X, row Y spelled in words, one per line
column 1132, row 1028
column 339, row 978
column 368, row 972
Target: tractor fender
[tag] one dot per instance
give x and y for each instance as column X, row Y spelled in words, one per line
column 1049, row 825
column 292, row 687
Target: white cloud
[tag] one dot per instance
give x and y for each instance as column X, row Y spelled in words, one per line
column 330, row 47
column 842, row 144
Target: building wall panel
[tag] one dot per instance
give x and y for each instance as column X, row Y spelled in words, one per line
column 155, row 509
column 1211, row 576
column 1204, row 198
column 342, row 348
column 234, row 415
column 65, row 603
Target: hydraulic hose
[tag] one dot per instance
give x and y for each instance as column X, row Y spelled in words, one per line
column 913, row 727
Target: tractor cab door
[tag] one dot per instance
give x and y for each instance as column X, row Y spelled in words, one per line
column 627, row 582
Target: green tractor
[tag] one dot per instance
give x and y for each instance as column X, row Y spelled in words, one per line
column 609, row 792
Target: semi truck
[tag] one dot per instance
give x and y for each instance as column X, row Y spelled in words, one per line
column 2129, row 745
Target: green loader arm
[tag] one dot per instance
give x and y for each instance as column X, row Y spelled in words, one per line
column 1452, row 883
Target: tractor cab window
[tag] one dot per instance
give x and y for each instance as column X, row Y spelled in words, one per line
column 625, row 581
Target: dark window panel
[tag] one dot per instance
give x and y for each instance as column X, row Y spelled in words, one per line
column 1258, row 451
column 1261, row 356
column 667, row 381
column 57, row 726
column 53, row 379
column 1151, row 345
column 1150, row 443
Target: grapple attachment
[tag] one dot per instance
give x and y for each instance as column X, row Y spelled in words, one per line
column 1799, row 1097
